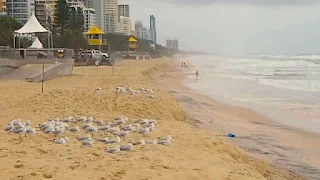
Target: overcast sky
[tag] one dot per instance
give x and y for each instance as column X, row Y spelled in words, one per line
column 235, row 26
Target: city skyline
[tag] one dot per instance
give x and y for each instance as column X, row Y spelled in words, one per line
column 111, row 16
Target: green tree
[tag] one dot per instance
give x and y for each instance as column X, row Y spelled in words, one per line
column 25, row 42
column 75, row 40
column 118, row 42
column 61, row 16
column 76, row 20
column 7, row 27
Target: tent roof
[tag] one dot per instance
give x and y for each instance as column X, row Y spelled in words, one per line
column 94, row 30
column 132, row 39
column 32, row 26
column 36, row 44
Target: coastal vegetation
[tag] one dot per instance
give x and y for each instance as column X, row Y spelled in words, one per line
column 7, row 27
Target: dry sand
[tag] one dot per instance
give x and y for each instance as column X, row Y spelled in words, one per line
column 193, row 154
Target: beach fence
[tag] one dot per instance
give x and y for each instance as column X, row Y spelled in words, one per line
column 6, row 52
column 25, row 64
column 29, row 53
column 136, row 55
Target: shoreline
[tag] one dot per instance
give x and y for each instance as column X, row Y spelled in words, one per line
column 258, row 135
column 193, row 154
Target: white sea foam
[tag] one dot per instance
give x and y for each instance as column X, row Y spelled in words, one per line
column 282, row 82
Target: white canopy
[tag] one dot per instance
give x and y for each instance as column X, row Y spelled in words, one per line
column 32, row 26
column 36, row 44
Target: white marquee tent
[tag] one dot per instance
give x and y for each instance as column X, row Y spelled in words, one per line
column 33, row 26
column 36, row 44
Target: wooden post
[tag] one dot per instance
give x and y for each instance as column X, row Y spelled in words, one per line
column 14, row 46
column 113, row 63
column 97, row 64
column 42, row 79
column 128, row 63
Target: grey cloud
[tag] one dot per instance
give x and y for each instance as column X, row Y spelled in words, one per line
column 251, row 2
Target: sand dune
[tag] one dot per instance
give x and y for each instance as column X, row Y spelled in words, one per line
column 193, row 153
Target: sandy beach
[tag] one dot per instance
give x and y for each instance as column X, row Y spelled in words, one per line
column 195, row 153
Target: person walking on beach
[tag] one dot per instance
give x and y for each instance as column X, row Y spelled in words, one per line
column 197, row 74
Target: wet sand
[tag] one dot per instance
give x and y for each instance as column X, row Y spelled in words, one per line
column 193, row 154
column 262, row 137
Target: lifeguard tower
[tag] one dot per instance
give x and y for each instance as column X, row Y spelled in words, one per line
column 95, row 37
column 133, row 44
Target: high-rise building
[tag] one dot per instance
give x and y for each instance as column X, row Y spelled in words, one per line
column 100, row 17
column 2, row 5
column 76, row 3
column 138, row 25
column 43, row 15
column 46, row 9
column 141, row 32
column 19, row 10
column 89, row 18
column 173, row 44
column 88, row 13
column 125, row 25
column 112, row 19
column 3, row 11
column 88, row 3
column 42, row 11
column 153, row 31
column 124, row 10
column 85, row 3
column 49, row 4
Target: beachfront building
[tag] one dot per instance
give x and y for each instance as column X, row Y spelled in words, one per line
column 153, row 31
column 89, row 18
column 77, row 3
column 88, row 3
column 112, row 18
column 124, row 10
column 173, row 44
column 88, row 13
column 45, row 9
column 3, row 11
column 43, row 14
column 100, row 14
column 19, row 10
column 138, row 25
column 141, row 32
column 125, row 25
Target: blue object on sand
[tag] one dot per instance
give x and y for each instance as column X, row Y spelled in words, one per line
column 231, row 135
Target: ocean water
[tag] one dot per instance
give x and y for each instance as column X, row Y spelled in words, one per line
column 286, row 88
